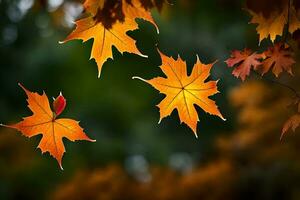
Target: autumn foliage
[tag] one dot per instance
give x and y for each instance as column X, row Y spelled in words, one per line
column 107, row 23
column 252, row 155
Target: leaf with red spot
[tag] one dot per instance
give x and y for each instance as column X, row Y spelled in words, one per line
column 44, row 121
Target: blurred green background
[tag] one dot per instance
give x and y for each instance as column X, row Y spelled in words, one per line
column 120, row 113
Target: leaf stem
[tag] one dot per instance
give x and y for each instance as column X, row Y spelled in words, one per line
column 139, row 78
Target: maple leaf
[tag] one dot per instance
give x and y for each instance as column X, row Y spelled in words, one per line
column 45, row 122
column 273, row 25
column 244, row 61
column 278, row 57
column 292, row 123
column 183, row 92
column 109, row 32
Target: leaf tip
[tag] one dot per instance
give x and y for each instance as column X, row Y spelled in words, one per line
column 159, row 121
column 281, row 136
column 59, row 163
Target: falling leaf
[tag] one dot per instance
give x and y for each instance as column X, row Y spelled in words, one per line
column 274, row 24
column 292, row 123
column 244, row 61
column 45, row 122
column 279, row 58
column 109, row 26
column 183, row 92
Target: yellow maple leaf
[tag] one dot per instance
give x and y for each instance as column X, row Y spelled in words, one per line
column 108, row 33
column 274, row 24
column 184, row 91
column 271, row 26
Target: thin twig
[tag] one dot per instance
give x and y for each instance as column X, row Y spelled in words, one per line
column 286, row 31
column 297, row 94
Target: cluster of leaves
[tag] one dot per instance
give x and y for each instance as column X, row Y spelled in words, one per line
column 277, row 21
column 107, row 23
column 278, row 58
column 273, row 19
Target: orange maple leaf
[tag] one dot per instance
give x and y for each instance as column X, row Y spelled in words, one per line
column 278, row 57
column 244, row 61
column 44, row 121
column 274, row 24
column 292, row 123
column 107, row 34
column 183, row 91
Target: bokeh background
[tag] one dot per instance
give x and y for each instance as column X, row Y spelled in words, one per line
column 134, row 156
